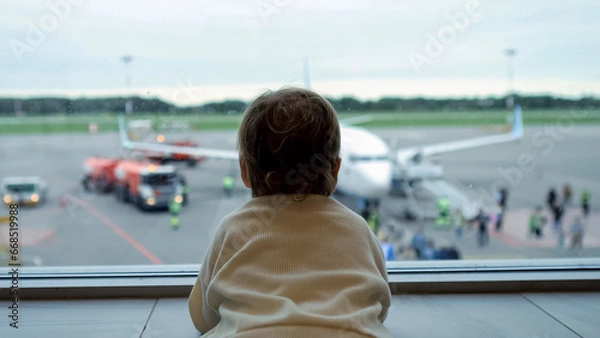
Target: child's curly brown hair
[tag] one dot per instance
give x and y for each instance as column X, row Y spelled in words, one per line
column 289, row 143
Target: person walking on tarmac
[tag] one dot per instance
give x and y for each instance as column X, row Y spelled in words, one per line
column 552, row 197
column 501, row 198
column 419, row 242
column 482, row 219
column 558, row 212
column 585, row 203
column 444, row 219
column 174, row 210
column 577, row 232
column 228, row 185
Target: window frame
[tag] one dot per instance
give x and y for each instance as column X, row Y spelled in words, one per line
column 405, row 277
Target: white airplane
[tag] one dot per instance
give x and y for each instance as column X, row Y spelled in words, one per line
column 369, row 165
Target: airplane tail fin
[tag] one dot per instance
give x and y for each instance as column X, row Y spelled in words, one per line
column 125, row 143
column 517, row 127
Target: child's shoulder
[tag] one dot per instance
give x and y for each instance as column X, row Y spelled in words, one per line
column 268, row 207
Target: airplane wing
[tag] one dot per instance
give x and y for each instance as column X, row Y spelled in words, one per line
column 169, row 149
column 157, row 148
column 407, row 154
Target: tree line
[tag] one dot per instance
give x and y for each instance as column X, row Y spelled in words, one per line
column 54, row 105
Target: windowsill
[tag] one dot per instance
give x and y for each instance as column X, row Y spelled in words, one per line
column 422, row 277
column 513, row 298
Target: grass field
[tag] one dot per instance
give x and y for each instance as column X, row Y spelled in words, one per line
column 107, row 122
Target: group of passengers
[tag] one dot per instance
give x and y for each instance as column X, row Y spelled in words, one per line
column 557, row 205
column 424, row 248
column 392, row 239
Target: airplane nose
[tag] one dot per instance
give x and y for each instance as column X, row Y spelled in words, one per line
column 379, row 180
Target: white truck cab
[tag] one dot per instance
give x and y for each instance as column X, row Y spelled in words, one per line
column 23, row 190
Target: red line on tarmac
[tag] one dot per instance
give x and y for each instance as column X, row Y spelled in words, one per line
column 47, row 235
column 508, row 240
column 25, row 240
column 117, row 229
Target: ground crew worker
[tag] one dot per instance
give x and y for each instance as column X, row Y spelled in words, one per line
column 444, row 218
column 585, row 203
column 567, row 195
column 185, row 190
column 459, row 223
column 228, row 185
column 174, row 210
column 535, row 222
column 373, row 219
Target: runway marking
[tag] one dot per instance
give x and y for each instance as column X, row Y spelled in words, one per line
column 506, row 239
column 44, row 237
column 116, row 229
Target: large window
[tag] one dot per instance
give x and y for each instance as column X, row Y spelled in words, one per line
column 455, row 106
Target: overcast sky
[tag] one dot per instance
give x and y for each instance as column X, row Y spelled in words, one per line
column 193, row 51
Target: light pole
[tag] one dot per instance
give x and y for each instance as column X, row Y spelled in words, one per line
column 510, row 99
column 129, row 103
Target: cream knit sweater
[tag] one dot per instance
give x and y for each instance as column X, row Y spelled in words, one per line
column 279, row 266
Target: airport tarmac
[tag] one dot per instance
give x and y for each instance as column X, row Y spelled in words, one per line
column 98, row 230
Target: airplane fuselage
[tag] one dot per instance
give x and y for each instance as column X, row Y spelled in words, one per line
column 368, row 165
column 366, row 169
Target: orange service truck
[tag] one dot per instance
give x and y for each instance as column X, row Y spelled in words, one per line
column 147, row 185
column 99, row 174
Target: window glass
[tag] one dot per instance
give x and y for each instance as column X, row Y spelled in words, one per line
column 469, row 128
column 17, row 188
column 160, row 179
